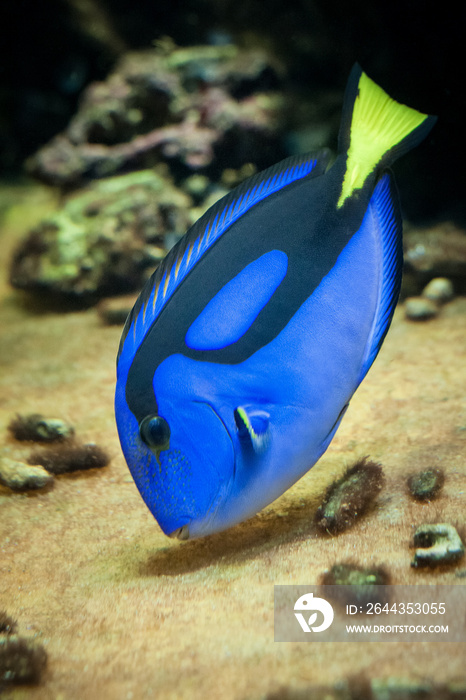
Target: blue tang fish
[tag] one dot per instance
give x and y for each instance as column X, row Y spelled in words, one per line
column 239, row 359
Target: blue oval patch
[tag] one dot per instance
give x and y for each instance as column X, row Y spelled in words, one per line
column 230, row 313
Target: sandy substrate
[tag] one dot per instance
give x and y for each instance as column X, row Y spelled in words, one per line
column 125, row 612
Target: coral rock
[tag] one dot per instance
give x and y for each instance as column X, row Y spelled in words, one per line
column 426, row 485
column 437, row 544
column 420, row 309
column 36, row 428
column 21, row 477
column 436, row 252
column 439, row 289
column 105, row 240
column 350, row 497
column 71, row 458
column 168, row 103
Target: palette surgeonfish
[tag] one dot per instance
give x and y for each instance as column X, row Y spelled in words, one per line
column 239, row 359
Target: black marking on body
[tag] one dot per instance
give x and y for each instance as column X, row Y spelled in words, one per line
column 302, row 221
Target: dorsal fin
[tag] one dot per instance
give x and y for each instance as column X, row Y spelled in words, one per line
column 384, row 206
column 200, row 237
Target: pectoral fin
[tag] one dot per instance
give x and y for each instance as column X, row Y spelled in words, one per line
column 253, row 427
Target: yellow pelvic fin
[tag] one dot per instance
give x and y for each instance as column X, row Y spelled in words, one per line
column 378, row 124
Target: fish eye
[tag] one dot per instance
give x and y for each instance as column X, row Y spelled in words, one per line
column 155, row 432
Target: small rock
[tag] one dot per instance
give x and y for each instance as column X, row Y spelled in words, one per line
column 71, row 458
column 352, row 575
column 358, row 584
column 21, row 477
column 420, row 309
column 436, row 544
column 21, row 661
column 350, row 497
column 439, row 290
column 36, row 428
column 426, row 485
column 436, row 252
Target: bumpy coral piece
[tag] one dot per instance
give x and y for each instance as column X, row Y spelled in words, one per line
column 71, row 458
column 359, row 584
column 426, row 485
column 437, row 544
column 37, row 428
column 23, row 477
column 168, row 103
column 105, row 239
column 350, row 497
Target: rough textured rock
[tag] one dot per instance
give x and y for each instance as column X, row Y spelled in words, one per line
column 350, row 497
column 104, row 240
column 22, row 477
column 437, row 544
column 439, row 251
column 426, row 484
column 169, row 103
column 439, row 289
column 71, row 458
column 36, row 428
column 420, row 309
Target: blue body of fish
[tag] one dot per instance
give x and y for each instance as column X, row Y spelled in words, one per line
column 242, row 353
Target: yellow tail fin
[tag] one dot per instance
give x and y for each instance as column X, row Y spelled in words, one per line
column 378, row 125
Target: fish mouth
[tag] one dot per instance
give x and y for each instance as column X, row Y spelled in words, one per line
column 200, row 524
column 181, row 533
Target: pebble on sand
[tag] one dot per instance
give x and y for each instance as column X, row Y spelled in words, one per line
column 439, row 290
column 420, row 309
column 19, row 476
column 436, row 544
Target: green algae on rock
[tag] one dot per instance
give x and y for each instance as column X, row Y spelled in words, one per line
column 36, row 428
column 105, row 239
column 358, row 584
column 169, row 104
column 426, row 484
column 436, row 544
column 353, row 575
column 350, row 496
